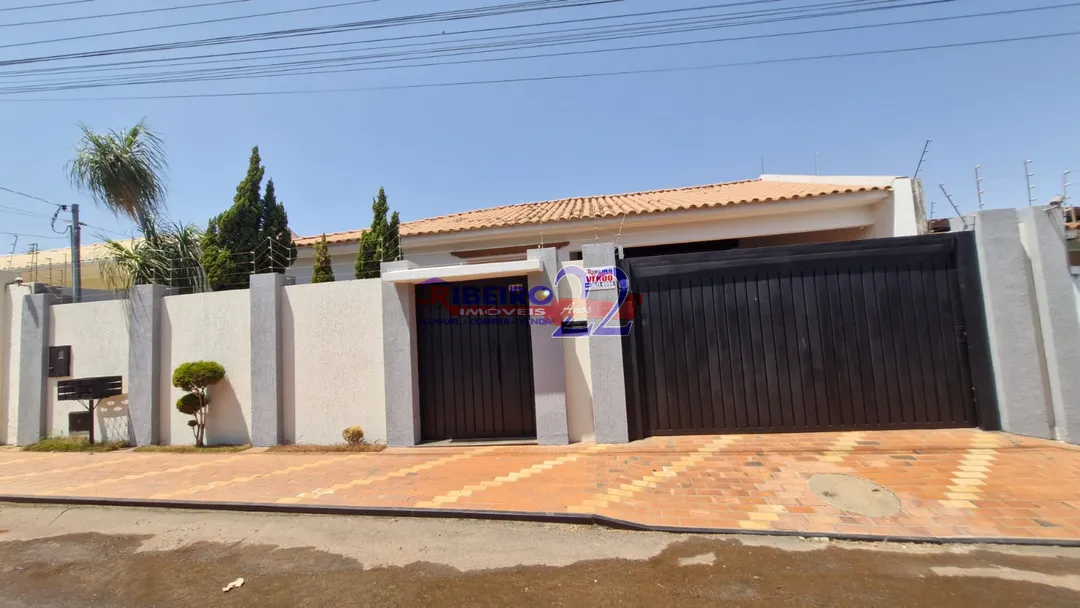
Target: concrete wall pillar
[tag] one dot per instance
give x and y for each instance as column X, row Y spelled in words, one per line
column 399, row 359
column 549, row 376
column 33, row 367
column 1059, row 327
column 606, row 361
column 1013, row 325
column 266, row 405
column 144, row 362
column 5, row 350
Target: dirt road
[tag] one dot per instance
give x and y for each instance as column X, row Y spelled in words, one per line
column 55, row 556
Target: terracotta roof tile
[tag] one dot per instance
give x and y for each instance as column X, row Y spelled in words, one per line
column 614, row 205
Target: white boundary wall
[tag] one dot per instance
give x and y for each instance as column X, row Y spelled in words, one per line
column 332, row 361
column 208, row 327
column 98, row 335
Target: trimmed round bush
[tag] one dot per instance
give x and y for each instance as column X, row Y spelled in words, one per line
column 197, row 375
column 188, row 404
column 354, row 435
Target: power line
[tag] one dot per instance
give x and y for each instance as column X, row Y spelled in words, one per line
column 272, row 70
column 125, row 13
column 33, row 236
column 83, row 67
column 285, row 68
column 571, row 76
column 29, row 196
column 33, row 6
column 24, row 212
column 494, row 10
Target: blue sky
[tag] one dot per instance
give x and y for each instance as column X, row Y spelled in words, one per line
column 441, row 150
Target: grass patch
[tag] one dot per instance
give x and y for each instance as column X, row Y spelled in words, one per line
column 74, row 444
column 190, row 449
column 303, row 448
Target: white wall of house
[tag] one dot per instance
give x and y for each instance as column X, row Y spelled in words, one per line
column 332, row 368
column 98, row 335
column 208, row 327
column 872, row 214
column 579, row 401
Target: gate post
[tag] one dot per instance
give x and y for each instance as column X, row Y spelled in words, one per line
column 549, row 377
column 1044, row 231
column 399, row 364
column 606, row 360
column 1012, row 325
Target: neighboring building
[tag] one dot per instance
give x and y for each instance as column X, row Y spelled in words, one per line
column 770, row 210
column 53, row 266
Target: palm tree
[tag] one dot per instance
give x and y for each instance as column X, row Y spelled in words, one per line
column 167, row 255
column 123, row 171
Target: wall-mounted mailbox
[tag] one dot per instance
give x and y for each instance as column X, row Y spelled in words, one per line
column 79, row 422
column 59, row 361
column 570, row 328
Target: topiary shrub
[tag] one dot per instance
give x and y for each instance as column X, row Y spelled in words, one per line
column 188, row 404
column 196, row 378
column 354, row 435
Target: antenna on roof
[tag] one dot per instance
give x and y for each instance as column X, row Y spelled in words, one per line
column 815, row 164
column 763, row 164
column 922, row 157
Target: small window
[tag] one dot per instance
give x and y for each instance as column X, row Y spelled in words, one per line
column 59, row 361
column 575, row 255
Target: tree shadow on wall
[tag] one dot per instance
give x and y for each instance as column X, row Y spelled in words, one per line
column 225, row 423
column 114, row 420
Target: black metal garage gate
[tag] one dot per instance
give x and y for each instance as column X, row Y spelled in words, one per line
column 875, row 334
column 476, row 379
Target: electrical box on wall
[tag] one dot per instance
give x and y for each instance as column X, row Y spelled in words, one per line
column 59, row 361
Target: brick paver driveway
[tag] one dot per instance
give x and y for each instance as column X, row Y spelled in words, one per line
column 951, row 484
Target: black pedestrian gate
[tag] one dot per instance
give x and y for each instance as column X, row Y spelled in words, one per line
column 873, row 334
column 475, row 361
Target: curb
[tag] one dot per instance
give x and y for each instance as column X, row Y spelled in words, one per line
column 523, row 516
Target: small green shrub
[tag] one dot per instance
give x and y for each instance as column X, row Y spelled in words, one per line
column 188, row 404
column 197, row 375
column 354, row 435
column 196, row 378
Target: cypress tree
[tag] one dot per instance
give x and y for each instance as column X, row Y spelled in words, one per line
column 275, row 233
column 323, row 271
column 373, row 242
column 251, row 236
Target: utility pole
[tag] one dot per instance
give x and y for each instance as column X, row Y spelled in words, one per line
column 1027, row 176
column 76, row 246
column 978, row 186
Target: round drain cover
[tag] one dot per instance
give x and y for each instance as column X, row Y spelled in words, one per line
column 855, row 494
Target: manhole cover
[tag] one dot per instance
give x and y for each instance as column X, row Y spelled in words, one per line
column 855, row 494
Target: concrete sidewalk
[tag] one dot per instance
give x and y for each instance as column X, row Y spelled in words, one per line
column 951, row 484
